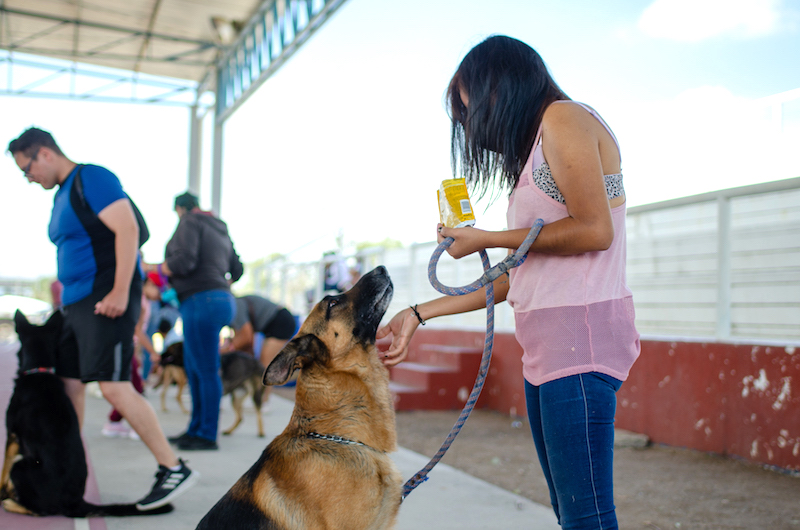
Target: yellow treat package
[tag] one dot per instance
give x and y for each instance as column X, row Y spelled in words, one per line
column 455, row 210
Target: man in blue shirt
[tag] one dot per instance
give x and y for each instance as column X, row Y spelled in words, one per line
column 96, row 234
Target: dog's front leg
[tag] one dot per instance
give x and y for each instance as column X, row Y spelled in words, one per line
column 12, row 451
column 12, row 506
column 166, row 381
column 237, row 400
column 179, row 396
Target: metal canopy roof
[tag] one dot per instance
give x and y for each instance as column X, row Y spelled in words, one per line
column 154, row 51
column 171, row 38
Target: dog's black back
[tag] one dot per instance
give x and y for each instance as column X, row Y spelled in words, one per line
column 50, row 476
column 237, row 367
column 173, row 355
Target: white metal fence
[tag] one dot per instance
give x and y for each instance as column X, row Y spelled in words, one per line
column 724, row 265
column 718, row 266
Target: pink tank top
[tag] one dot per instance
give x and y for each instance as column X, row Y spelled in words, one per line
column 573, row 314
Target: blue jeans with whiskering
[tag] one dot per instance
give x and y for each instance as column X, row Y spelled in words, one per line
column 572, row 422
column 204, row 315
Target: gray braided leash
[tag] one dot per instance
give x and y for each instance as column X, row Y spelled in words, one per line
column 490, row 274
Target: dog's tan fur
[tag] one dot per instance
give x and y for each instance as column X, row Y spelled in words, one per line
column 237, row 403
column 11, row 456
column 241, row 378
column 172, row 374
column 342, row 390
column 172, row 371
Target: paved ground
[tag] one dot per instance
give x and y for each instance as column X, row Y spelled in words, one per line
column 124, row 472
column 656, row 487
column 447, row 501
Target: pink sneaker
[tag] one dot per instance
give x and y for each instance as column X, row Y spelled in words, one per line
column 118, row 429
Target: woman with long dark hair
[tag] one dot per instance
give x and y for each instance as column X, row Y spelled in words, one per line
column 515, row 130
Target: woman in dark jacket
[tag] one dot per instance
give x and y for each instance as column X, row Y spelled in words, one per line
column 201, row 264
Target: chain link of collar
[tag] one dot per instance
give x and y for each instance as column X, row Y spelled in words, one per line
column 332, row 438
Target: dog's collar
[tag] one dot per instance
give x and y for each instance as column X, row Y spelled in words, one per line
column 332, row 438
column 40, row 370
column 339, row 440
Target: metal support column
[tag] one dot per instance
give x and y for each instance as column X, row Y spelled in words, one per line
column 216, row 173
column 195, row 148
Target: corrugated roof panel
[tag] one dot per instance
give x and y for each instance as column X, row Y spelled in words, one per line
column 174, row 38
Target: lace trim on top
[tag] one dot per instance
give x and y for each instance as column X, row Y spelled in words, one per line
column 544, row 181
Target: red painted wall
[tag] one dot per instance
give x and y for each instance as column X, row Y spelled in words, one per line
column 504, row 388
column 741, row 400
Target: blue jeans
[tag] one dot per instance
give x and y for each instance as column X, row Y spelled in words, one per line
column 204, row 315
column 572, row 422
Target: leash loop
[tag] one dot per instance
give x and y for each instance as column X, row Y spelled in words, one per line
column 486, row 280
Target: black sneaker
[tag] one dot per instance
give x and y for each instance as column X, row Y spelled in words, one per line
column 196, row 443
column 178, row 438
column 169, row 485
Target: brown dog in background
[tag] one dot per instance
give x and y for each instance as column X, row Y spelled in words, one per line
column 330, row 468
column 241, row 377
column 172, row 372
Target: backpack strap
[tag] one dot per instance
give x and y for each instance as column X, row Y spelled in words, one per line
column 77, row 184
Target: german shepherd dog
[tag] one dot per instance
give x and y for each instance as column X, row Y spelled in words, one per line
column 172, row 371
column 44, row 471
column 241, row 377
column 330, row 468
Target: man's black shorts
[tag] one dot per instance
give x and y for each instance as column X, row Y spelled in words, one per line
column 283, row 326
column 95, row 347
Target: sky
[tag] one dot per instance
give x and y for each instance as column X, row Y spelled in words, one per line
column 350, row 139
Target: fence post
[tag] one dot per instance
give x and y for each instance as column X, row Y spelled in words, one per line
column 724, row 268
column 284, row 274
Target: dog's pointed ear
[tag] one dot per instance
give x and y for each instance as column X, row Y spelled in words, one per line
column 20, row 321
column 55, row 321
column 298, row 353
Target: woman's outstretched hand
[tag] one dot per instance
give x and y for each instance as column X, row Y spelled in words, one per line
column 402, row 327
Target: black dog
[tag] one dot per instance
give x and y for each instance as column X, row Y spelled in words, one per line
column 44, row 471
